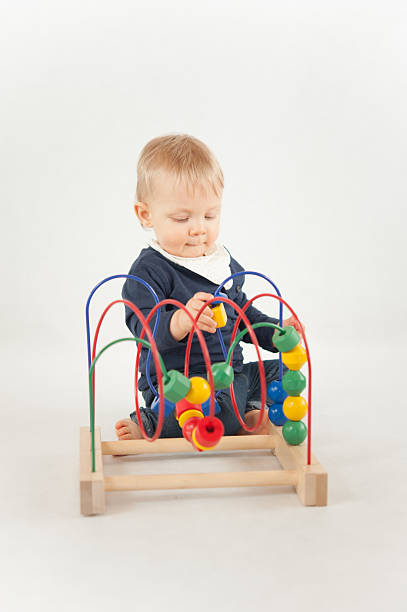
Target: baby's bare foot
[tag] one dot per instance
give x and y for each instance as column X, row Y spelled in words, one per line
column 126, row 429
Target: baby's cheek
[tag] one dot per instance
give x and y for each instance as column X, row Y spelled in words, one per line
column 214, row 233
column 175, row 236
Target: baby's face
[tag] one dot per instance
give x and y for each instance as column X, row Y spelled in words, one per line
column 185, row 225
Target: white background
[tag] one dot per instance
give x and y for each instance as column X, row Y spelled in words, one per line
column 304, row 105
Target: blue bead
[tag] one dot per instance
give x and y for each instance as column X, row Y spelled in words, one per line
column 168, row 406
column 205, row 407
column 276, row 392
column 276, row 415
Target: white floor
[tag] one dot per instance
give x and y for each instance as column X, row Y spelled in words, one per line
column 224, row 549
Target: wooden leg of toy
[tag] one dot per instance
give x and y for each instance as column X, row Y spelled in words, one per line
column 92, row 490
column 312, row 485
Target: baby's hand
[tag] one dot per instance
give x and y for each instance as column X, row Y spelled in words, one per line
column 181, row 324
column 293, row 321
column 194, row 305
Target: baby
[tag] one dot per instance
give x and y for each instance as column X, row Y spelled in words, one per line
column 179, row 196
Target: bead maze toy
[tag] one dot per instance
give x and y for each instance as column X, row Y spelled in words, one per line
column 194, row 402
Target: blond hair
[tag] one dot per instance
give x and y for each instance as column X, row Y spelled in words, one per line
column 187, row 158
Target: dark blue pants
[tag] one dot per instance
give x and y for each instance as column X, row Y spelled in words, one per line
column 247, row 393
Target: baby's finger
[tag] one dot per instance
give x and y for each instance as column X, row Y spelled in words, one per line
column 196, row 305
column 206, row 328
column 204, row 297
column 207, row 320
column 206, row 324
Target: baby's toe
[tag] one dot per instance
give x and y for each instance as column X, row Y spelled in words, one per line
column 122, row 430
column 120, row 424
column 125, row 436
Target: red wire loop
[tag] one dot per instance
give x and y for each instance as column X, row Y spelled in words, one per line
column 280, row 299
column 256, row 345
column 154, row 349
column 204, row 348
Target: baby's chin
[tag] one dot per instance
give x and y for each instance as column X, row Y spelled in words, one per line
column 187, row 250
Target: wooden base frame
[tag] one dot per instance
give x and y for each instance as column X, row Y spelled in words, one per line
column 310, row 481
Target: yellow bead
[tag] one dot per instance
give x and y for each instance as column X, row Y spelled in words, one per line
column 188, row 414
column 199, row 390
column 295, row 359
column 219, row 315
column 295, row 408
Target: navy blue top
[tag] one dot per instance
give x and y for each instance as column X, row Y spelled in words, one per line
column 170, row 280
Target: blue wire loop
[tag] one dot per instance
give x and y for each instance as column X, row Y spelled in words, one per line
column 153, row 293
column 218, row 291
column 155, row 296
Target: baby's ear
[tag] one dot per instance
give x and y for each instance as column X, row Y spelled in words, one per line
column 143, row 214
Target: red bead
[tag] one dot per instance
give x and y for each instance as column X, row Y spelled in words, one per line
column 209, row 431
column 188, row 428
column 183, row 405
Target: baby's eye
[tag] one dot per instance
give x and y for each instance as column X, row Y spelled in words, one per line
column 208, row 217
column 181, row 220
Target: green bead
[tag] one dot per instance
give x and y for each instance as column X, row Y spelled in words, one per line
column 294, row 432
column 223, row 375
column 176, row 386
column 294, row 382
column 287, row 339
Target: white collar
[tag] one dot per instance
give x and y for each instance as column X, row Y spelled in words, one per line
column 215, row 266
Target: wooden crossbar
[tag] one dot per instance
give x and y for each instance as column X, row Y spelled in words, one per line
column 180, row 445
column 201, row 480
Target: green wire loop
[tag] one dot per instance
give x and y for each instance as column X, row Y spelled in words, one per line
column 242, row 333
column 91, row 369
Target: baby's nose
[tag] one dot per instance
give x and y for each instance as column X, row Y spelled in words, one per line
column 197, row 228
